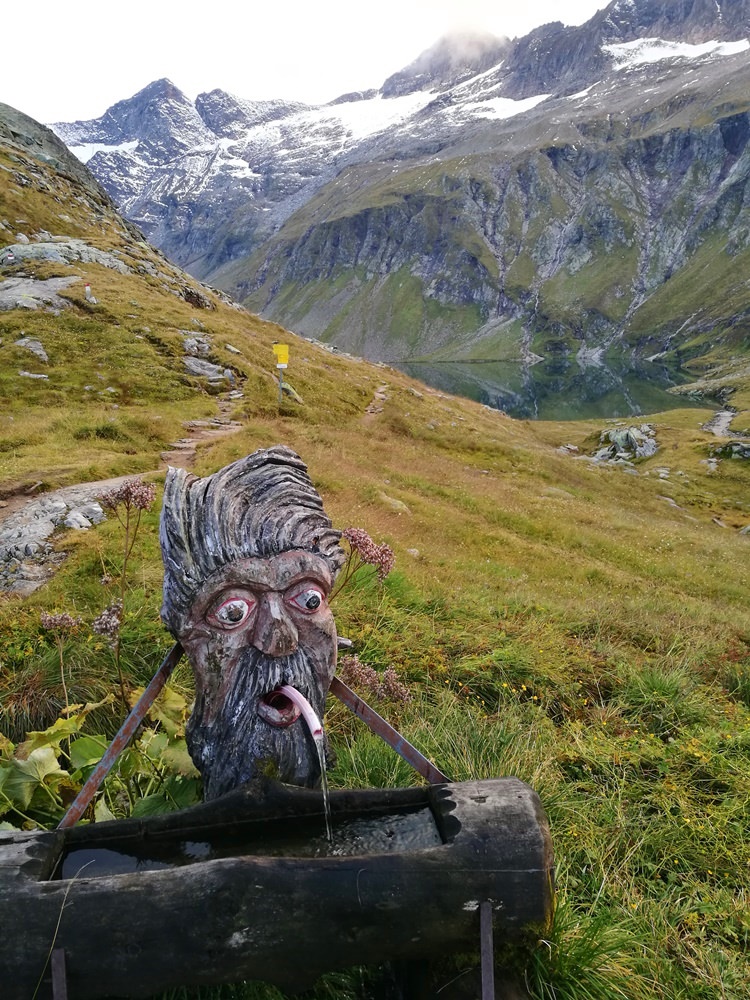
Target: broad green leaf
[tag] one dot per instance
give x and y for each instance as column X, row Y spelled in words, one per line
column 24, row 777
column 102, row 812
column 170, row 709
column 177, row 758
column 151, row 805
column 87, row 750
column 61, row 729
column 182, row 792
column 154, row 744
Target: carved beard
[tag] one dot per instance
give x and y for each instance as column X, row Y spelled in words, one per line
column 230, row 743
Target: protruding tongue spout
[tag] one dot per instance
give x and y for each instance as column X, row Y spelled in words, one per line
column 304, row 707
column 284, row 705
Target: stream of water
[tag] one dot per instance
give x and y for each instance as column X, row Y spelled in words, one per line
column 315, row 726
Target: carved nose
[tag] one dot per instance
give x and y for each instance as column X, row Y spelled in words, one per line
column 275, row 634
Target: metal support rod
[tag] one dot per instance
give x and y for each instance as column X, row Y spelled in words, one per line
column 281, row 386
column 487, row 950
column 386, row 732
column 121, row 740
column 59, row 975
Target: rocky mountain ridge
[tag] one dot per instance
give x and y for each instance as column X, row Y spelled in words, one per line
column 554, row 194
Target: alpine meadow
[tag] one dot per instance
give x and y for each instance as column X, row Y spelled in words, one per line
column 569, row 601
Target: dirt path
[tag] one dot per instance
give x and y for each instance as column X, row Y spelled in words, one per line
column 28, row 520
column 719, row 423
column 375, row 406
column 181, row 455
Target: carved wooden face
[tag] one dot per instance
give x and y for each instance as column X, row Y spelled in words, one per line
column 255, row 625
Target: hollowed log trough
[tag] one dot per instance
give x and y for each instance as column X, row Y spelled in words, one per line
column 205, row 895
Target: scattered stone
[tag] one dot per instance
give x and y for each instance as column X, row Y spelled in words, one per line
column 195, row 344
column 291, row 393
column 396, row 505
column 669, row 500
column 76, row 520
column 32, row 375
column 414, row 553
column 232, row 350
column 26, row 556
column 67, row 252
column 35, row 346
column 29, row 293
column 732, row 449
column 623, row 444
column 569, row 449
column 204, row 369
column 719, row 423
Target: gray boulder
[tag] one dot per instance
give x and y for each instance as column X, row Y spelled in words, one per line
column 35, row 346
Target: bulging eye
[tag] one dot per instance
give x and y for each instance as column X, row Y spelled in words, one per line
column 233, row 612
column 308, row 599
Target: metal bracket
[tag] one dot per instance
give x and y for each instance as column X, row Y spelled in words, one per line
column 487, row 950
column 59, row 975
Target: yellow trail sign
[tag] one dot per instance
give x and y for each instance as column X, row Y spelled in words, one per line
column 282, row 354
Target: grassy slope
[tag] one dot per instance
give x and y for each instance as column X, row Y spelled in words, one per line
column 555, row 620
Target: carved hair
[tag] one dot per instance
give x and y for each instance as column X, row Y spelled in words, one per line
column 259, row 506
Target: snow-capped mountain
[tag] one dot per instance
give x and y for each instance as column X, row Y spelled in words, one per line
column 439, row 182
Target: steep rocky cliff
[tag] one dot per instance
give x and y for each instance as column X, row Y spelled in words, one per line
column 574, row 232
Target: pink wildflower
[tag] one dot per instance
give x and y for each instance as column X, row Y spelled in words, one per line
column 108, row 623
column 382, row 686
column 134, row 494
column 59, row 623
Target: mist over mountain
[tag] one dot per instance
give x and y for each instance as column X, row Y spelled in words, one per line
column 577, row 191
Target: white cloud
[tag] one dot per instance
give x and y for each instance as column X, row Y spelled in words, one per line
column 74, row 61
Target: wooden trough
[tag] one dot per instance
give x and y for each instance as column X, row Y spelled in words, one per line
column 246, row 887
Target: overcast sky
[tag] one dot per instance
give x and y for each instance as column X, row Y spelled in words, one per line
column 63, row 61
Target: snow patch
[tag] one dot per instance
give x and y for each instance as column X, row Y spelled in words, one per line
column 581, row 93
column 89, row 149
column 651, row 50
column 503, row 107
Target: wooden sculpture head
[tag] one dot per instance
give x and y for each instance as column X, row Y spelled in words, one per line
column 250, row 558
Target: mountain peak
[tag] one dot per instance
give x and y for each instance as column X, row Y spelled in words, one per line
column 453, row 58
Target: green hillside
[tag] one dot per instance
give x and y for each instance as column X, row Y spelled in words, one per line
column 583, row 626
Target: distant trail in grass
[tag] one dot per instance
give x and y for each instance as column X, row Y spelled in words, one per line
column 375, row 406
column 719, row 423
column 180, row 456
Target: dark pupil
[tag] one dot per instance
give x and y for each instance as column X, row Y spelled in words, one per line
column 234, row 613
column 312, row 602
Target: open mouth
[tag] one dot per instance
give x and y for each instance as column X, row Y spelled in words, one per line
column 277, row 709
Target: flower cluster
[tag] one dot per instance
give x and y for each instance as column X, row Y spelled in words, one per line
column 108, row 623
column 60, row 623
column 383, row 686
column 134, row 494
column 363, row 550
